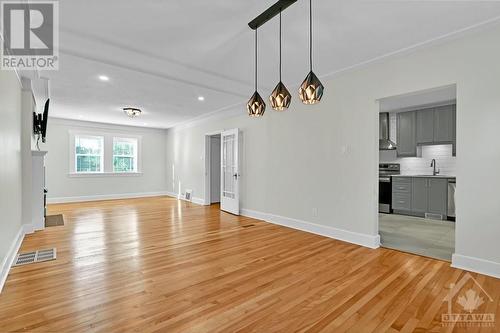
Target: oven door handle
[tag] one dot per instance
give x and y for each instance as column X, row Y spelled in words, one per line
column 385, row 180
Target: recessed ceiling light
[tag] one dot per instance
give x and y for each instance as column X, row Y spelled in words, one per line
column 81, row 116
column 145, row 124
column 201, row 98
column 103, row 78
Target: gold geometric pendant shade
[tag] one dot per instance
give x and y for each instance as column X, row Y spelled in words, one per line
column 311, row 90
column 280, row 97
column 256, row 106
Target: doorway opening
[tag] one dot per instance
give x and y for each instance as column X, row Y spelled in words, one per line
column 213, row 153
column 417, row 172
column 222, row 165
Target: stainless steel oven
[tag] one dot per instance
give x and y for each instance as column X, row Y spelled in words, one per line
column 385, row 171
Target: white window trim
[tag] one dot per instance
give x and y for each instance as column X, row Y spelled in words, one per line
column 107, row 155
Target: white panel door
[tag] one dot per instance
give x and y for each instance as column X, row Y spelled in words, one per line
column 230, row 176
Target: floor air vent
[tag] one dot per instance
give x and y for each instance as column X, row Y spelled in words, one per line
column 35, row 256
column 433, row 216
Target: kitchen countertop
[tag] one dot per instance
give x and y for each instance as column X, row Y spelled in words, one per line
column 427, row 176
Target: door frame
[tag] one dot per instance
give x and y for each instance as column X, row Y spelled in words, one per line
column 376, row 125
column 206, row 166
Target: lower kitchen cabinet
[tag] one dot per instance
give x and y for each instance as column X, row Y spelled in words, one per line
column 438, row 196
column 420, row 195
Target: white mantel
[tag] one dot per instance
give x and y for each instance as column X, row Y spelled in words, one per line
column 38, row 185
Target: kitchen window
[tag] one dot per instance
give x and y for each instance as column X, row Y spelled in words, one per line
column 89, row 154
column 124, row 155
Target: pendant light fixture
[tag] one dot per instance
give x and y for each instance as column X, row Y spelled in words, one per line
column 256, row 106
column 311, row 90
column 280, row 97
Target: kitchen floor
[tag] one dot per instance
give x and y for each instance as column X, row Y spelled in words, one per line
column 430, row 238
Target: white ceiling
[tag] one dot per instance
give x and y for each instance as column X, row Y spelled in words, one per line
column 161, row 55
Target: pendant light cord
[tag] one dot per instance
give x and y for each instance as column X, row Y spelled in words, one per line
column 280, row 45
column 255, row 59
column 310, row 36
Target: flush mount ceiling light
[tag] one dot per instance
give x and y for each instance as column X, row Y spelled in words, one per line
column 311, row 90
column 132, row 112
column 280, row 97
column 256, row 106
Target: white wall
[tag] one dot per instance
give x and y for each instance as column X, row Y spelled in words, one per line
column 63, row 187
column 326, row 156
column 10, row 166
column 27, row 145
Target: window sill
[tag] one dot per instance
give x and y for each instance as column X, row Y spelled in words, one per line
column 104, row 174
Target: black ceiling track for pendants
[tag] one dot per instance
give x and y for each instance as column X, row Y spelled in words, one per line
column 271, row 12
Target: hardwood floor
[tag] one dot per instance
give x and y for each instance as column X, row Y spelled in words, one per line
column 162, row 265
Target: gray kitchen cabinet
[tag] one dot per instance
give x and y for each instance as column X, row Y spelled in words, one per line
column 401, row 194
column 425, row 126
column 419, row 195
column 438, row 196
column 401, row 201
column 406, row 134
column 444, row 124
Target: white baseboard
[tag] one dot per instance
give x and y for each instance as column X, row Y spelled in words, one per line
column 11, row 254
column 476, row 265
column 198, row 201
column 195, row 200
column 172, row 194
column 254, row 214
column 366, row 240
column 106, row 197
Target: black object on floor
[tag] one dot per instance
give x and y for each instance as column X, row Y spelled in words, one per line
column 54, row 220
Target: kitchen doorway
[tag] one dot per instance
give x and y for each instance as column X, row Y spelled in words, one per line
column 417, row 172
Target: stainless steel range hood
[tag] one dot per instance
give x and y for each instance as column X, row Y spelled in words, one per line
column 384, row 142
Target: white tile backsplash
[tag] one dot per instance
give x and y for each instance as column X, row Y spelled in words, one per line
column 421, row 165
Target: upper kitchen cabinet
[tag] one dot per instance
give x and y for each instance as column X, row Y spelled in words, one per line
column 444, row 124
column 425, row 126
column 406, row 134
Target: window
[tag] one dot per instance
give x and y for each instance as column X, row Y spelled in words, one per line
column 93, row 153
column 124, row 155
column 89, row 154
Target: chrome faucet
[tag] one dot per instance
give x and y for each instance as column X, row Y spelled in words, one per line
column 434, row 171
